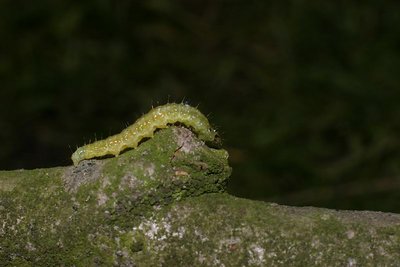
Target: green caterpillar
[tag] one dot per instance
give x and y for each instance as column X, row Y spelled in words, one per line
column 144, row 127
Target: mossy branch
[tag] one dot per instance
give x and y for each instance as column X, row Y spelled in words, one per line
column 164, row 204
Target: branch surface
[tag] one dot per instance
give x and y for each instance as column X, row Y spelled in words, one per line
column 164, row 204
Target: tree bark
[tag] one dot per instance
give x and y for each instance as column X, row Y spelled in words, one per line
column 164, row 204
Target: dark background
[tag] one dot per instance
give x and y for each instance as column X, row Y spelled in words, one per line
column 304, row 93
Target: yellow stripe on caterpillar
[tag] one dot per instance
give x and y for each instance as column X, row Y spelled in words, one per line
column 144, row 127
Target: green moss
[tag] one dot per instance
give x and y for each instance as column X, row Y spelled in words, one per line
column 83, row 215
column 164, row 204
column 218, row 229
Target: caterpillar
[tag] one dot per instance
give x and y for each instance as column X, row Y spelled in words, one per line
column 144, row 127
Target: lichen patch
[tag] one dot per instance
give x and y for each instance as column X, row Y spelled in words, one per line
column 87, row 172
column 186, row 140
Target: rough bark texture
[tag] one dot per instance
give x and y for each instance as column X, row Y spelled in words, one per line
column 163, row 204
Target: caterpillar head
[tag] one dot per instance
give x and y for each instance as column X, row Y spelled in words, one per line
column 78, row 155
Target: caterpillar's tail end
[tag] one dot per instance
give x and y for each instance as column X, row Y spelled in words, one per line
column 78, row 156
column 211, row 138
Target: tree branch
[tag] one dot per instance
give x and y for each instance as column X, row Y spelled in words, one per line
column 163, row 204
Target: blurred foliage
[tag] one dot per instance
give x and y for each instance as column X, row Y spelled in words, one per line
column 305, row 93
